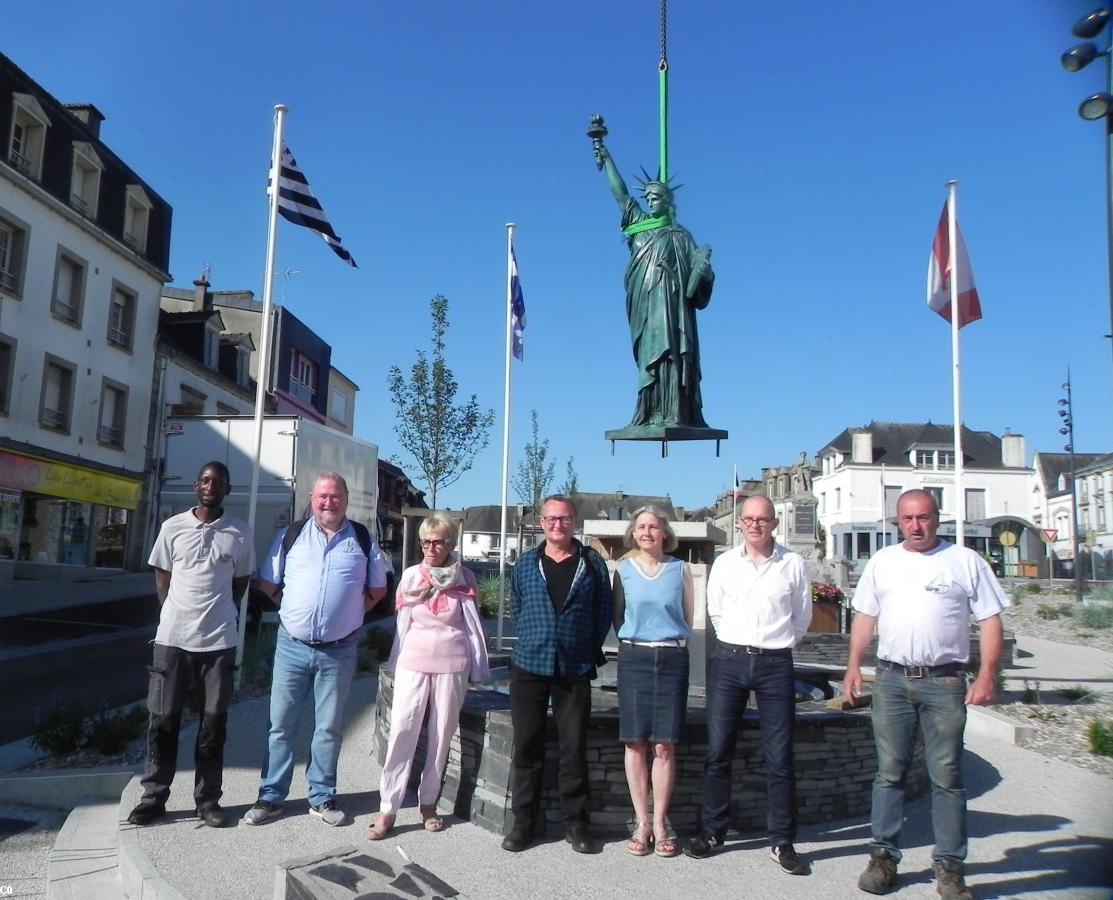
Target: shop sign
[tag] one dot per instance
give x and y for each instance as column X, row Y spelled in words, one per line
column 10, row 496
column 55, row 479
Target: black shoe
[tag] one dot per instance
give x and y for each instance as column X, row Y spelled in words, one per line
column 703, row 845
column 212, row 815
column 577, row 836
column 518, row 838
column 789, row 860
column 145, row 813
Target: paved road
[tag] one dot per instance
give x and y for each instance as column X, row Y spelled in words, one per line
column 94, row 655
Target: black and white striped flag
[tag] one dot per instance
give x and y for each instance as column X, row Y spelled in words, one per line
column 297, row 204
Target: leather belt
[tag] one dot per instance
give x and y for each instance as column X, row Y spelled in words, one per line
column 673, row 642
column 952, row 668
column 756, row 651
column 320, row 645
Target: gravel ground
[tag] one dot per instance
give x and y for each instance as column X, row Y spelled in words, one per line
column 23, row 856
column 1059, row 716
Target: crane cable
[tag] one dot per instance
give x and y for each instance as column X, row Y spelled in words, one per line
column 663, row 96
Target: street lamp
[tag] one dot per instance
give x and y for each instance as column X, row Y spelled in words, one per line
column 1066, row 428
column 1098, row 106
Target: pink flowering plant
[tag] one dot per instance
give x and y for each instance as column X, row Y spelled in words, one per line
column 827, row 593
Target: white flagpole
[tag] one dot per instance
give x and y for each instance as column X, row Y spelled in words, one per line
column 734, row 509
column 884, row 542
column 265, row 352
column 505, row 432
column 952, row 241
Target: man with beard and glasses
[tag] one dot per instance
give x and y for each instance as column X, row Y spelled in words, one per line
column 203, row 559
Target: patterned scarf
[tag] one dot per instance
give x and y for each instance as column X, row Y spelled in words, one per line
column 436, row 585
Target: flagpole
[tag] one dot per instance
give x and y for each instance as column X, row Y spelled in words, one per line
column 734, row 509
column 263, row 371
column 884, row 542
column 952, row 242
column 505, row 430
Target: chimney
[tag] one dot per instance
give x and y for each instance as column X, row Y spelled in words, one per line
column 89, row 115
column 861, row 447
column 1012, row 450
column 202, row 299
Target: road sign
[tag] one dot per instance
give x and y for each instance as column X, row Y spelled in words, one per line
column 1049, row 535
column 1007, row 539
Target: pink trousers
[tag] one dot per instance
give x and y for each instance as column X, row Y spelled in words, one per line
column 443, row 693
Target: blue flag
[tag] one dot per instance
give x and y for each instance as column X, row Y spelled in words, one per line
column 517, row 308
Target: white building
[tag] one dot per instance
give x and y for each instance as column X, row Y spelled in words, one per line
column 864, row 470
column 1051, row 510
column 84, row 249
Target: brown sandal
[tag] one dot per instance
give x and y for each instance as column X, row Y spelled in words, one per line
column 641, row 840
column 381, row 828
column 430, row 820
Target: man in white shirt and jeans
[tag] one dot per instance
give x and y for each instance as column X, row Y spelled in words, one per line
column 921, row 595
column 759, row 600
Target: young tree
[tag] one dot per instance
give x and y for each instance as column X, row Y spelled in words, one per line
column 443, row 438
column 535, row 470
column 571, row 485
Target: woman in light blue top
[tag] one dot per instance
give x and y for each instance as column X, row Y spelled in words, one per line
column 652, row 617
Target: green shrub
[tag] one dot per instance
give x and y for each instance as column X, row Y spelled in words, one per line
column 258, row 660
column 378, row 641
column 487, row 597
column 109, row 732
column 1078, row 694
column 1100, row 736
column 1031, row 693
column 61, row 731
column 1103, row 594
column 1033, row 587
column 1049, row 613
column 1096, row 615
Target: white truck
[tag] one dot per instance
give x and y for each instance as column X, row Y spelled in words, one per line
column 294, row 451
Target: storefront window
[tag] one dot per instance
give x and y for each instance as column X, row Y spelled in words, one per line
column 11, row 508
column 54, row 531
column 111, row 528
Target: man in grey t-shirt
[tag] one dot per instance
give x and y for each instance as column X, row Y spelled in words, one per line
column 203, row 559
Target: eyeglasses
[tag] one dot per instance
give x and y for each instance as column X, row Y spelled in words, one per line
column 435, row 544
column 557, row 520
column 760, row 521
column 328, row 498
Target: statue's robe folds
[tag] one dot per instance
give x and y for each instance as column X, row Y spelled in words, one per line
column 661, row 301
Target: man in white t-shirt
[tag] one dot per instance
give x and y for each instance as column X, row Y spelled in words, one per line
column 921, row 595
column 203, row 559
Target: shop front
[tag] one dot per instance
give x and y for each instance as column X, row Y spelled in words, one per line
column 58, row 514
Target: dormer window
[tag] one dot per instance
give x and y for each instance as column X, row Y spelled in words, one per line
column 27, row 136
column 243, row 355
column 137, row 212
column 212, row 343
column 85, row 179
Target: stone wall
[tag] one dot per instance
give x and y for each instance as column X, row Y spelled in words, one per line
column 835, row 765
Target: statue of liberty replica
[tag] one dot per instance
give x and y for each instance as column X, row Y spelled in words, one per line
column 668, row 278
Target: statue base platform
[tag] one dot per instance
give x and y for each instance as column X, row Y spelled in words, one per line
column 665, row 434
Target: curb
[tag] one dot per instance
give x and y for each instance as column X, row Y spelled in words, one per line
column 138, row 878
column 996, row 726
column 65, row 790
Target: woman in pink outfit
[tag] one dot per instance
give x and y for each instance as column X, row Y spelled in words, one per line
column 438, row 647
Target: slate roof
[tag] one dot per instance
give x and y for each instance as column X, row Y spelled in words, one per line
column 1049, row 466
column 893, row 440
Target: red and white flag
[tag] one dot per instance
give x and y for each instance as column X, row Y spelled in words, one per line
column 737, row 486
column 941, row 267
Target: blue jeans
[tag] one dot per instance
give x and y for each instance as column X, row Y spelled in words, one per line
column 937, row 705
column 733, row 674
column 298, row 668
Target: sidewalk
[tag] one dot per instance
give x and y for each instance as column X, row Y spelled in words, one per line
column 20, row 598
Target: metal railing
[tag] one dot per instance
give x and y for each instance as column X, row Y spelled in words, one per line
column 21, row 162
column 106, row 434
column 53, row 418
column 7, row 280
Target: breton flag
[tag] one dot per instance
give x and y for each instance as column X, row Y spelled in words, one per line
column 941, row 266
column 517, row 308
column 297, row 204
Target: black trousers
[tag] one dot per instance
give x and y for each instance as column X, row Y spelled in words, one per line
column 174, row 672
column 529, row 704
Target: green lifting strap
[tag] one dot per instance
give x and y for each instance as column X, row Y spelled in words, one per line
column 663, row 81
column 647, row 225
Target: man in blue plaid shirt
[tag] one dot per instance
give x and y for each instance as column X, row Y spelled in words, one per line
column 560, row 598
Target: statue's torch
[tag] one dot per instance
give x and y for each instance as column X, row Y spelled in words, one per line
column 596, row 130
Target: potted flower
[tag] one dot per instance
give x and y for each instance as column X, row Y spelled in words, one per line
column 826, row 602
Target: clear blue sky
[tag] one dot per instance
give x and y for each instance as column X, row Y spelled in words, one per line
column 814, row 141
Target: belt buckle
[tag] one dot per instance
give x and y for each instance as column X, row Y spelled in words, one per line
column 753, row 651
column 916, row 671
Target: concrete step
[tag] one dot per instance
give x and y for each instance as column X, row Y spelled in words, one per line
column 84, row 861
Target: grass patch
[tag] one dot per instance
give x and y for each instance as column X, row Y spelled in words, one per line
column 487, row 596
column 1050, row 613
column 1031, row 692
column 60, row 731
column 1033, row 587
column 1096, row 615
column 1042, row 714
column 109, row 732
column 1100, row 736
column 258, row 659
column 68, row 728
column 1078, row 694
